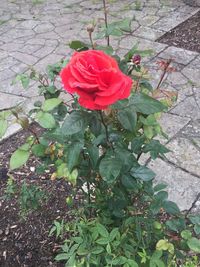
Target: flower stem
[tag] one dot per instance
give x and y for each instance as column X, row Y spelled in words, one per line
column 106, row 21
column 164, row 72
column 105, row 126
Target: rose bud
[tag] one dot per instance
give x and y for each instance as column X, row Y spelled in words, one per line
column 90, row 28
column 136, row 59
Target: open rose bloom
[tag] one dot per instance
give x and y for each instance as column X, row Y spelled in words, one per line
column 96, row 78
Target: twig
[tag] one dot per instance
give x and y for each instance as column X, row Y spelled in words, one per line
column 164, row 72
column 193, row 204
column 106, row 20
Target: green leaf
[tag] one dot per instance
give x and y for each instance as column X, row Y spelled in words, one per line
column 62, row 256
column 18, row 158
column 108, row 249
column 171, row 207
column 107, row 49
column 3, row 127
column 39, row 150
column 97, row 250
column 128, row 118
column 51, row 103
column 73, row 153
column 110, row 169
column 93, row 152
column 23, row 78
column 137, row 143
column 78, row 45
column 176, row 225
column 195, row 219
column 197, row 229
column 159, row 187
column 102, row 230
column 46, row 120
column 146, row 104
column 143, row 173
column 113, row 234
column 102, row 241
column 129, row 182
column 74, row 123
column 194, row 244
column 155, row 148
column 186, row 234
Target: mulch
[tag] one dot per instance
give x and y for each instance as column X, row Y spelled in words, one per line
column 186, row 35
column 26, row 243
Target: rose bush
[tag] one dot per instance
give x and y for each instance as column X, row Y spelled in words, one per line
column 122, row 218
column 96, row 78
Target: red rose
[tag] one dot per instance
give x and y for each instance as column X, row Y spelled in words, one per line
column 96, row 78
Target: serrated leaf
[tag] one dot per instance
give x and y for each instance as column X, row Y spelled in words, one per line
column 186, row 234
column 19, row 158
column 143, row 173
column 51, row 103
column 73, row 152
column 74, row 123
column 155, row 148
column 146, row 104
column 46, row 120
column 128, row 118
column 110, row 168
column 171, row 207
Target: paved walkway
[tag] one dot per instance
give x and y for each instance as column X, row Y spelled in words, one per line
column 35, row 32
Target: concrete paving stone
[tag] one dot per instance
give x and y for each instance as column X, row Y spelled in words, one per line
column 165, row 10
column 17, row 33
column 3, row 54
column 44, row 51
column 12, row 129
column 148, row 33
column 48, row 60
column 149, row 20
column 177, row 78
column 195, row 63
column 43, row 27
column 167, row 23
column 30, row 49
column 179, row 55
column 8, row 100
column 129, row 41
column 19, row 68
column 8, row 62
column 150, row 10
column 11, row 47
column 188, row 108
column 25, row 58
column 28, row 24
column 191, row 131
column 172, row 124
column 48, row 35
column 193, row 74
column 39, row 41
column 184, row 154
column 197, row 95
column 182, row 187
column 5, row 74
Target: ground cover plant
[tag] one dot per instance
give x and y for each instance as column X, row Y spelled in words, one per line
column 94, row 138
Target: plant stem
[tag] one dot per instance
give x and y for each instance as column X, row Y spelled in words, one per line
column 106, row 21
column 164, row 72
column 105, row 126
column 91, row 40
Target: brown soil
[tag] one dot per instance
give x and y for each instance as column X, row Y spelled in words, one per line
column 26, row 243
column 186, row 35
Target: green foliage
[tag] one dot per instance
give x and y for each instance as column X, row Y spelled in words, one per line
column 123, row 219
column 30, row 198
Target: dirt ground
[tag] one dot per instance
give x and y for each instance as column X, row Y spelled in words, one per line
column 26, row 243
column 186, row 35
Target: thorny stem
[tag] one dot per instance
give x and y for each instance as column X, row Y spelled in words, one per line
column 106, row 20
column 164, row 72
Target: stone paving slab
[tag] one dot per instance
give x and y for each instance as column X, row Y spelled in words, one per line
column 37, row 35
